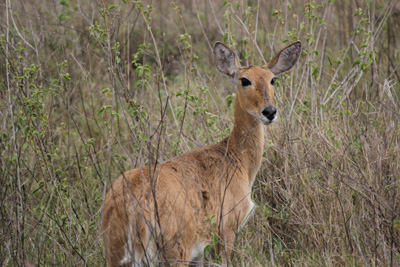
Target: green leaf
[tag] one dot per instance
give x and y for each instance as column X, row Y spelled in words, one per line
column 315, row 72
column 24, row 146
column 101, row 111
column 396, row 224
column 66, row 77
column 115, row 114
column 207, row 250
column 64, row 3
column 356, row 62
column 225, row 37
column 215, row 239
column 103, row 108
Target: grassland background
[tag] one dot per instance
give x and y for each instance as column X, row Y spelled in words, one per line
column 91, row 88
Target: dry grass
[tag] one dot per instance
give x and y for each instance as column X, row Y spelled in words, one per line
column 89, row 89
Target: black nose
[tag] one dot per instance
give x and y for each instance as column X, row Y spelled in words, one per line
column 269, row 112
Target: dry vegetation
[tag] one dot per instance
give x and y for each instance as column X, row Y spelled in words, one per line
column 91, row 88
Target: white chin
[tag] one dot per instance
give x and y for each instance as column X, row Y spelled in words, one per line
column 266, row 121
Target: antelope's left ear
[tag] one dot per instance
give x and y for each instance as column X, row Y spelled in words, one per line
column 285, row 59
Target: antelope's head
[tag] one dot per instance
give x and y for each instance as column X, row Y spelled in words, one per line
column 255, row 85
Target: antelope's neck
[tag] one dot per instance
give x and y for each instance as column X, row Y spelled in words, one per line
column 247, row 141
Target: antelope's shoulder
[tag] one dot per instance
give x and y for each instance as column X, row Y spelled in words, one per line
column 206, row 158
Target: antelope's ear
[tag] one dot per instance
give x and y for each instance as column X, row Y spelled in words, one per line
column 226, row 61
column 285, row 59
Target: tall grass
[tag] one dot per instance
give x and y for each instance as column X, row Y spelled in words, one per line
column 89, row 89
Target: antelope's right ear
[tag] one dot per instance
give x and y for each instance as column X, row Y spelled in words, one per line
column 285, row 59
column 226, row 61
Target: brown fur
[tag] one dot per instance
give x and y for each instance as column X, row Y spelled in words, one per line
column 162, row 208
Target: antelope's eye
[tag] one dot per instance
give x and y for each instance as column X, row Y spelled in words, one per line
column 273, row 81
column 245, row 82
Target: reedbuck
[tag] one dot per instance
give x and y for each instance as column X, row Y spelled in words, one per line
column 156, row 215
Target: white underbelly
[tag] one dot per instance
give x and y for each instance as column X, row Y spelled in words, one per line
column 198, row 250
column 249, row 214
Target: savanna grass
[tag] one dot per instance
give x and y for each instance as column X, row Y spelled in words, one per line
column 89, row 89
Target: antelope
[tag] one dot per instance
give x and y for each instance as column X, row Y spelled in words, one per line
column 157, row 215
